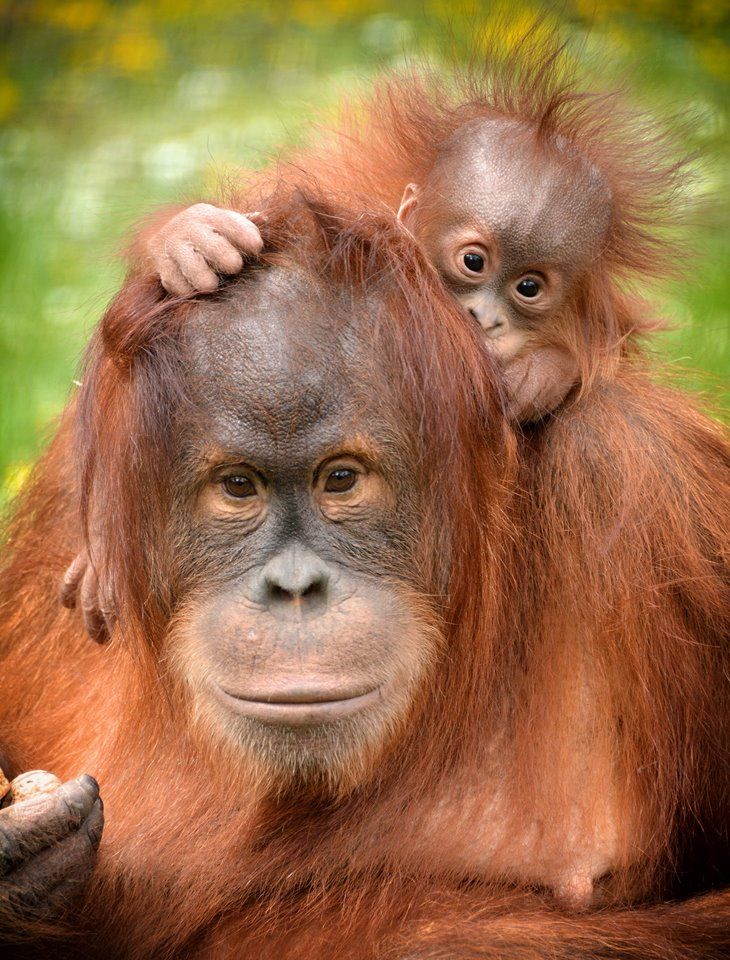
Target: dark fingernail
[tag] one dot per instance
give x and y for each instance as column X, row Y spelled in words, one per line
column 68, row 599
column 89, row 784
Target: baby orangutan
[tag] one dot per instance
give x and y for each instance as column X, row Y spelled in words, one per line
column 510, row 225
column 511, row 228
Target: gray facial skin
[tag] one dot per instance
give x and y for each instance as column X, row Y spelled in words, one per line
column 296, row 517
column 529, row 212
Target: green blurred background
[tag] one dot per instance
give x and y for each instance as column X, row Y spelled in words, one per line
column 110, row 108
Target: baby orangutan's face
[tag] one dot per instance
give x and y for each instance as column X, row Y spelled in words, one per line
column 509, row 226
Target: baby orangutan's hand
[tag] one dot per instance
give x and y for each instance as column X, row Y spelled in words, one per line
column 81, row 587
column 198, row 244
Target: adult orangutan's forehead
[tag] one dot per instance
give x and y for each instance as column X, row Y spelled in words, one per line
column 547, row 201
column 275, row 359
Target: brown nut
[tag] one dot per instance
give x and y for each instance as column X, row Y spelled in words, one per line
column 4, row 784
column 30, row 784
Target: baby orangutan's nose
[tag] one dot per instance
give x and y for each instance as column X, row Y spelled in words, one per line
column 490, row 320
column 495, row 326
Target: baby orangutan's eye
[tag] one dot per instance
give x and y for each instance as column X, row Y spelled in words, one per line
column 474, row 262
column 239, row 487
column 529, row 287
column 340, row 480
column 471, row 261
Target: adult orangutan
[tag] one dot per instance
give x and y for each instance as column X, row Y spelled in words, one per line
column 386, row 675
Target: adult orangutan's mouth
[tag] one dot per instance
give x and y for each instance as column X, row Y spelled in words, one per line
column 298, row 706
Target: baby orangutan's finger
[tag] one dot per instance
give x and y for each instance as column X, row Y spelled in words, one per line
column 90, row 599
column 172, row 279
column 237, row 228
column 71, row 579
column 197, row 239
column 193, row 266
column 218, row 251
column 107, row 606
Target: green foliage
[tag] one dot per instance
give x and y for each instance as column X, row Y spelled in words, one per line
column 108, row 109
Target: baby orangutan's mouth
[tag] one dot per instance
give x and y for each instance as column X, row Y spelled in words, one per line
column 298, row 705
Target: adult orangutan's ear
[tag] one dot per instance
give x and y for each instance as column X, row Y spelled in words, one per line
column 408, row 204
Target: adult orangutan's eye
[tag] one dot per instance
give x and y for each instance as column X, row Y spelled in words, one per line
column 340, row 480
column 528, row 287
column 239, row 487
column 474, row 262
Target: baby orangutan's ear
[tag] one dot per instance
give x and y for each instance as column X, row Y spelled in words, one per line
column 408, row 203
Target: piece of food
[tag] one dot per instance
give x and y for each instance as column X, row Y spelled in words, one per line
column 30, row 784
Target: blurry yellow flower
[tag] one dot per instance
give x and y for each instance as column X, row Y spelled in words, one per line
column 14, row 480
column 136, row 51
column 71, row 14
column 526, row 22
column 9, row 96
column 507, row 28
column 315, row 13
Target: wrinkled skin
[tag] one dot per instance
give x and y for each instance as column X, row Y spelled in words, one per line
column 48, row 847
column 299, row 641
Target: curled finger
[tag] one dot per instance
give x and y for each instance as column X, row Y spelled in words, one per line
column 194, row 268
column 217, row 250
column 172, row 279
column 237, row 228
column 71, row 579
column 94, row 620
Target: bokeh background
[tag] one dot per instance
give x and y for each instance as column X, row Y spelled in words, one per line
column 108, row 109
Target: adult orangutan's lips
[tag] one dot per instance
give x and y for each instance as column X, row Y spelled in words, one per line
column 298, row 706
